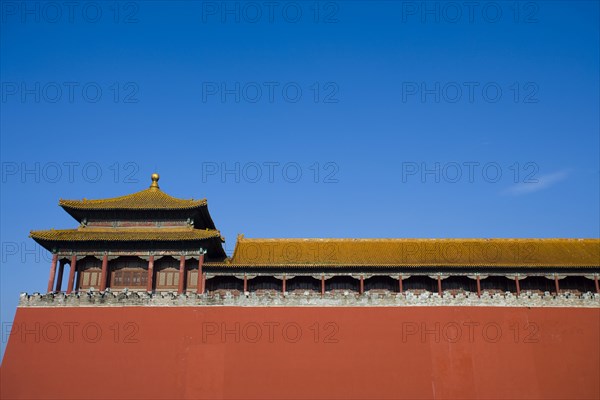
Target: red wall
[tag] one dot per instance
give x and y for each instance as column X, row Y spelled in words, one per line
column 383, row 353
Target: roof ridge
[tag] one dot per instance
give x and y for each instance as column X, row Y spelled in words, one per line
column 151, row 198
column 242, row 237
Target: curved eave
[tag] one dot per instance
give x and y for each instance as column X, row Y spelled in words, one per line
column 149, row 200
column 208, row 221
column 79, row 213
column 213, row 244
column 53, row 238
column 85, row 205
column 201, row 211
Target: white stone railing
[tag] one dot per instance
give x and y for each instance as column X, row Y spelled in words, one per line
column 341, row 299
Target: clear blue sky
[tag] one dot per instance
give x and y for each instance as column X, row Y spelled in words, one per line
column 398, row 118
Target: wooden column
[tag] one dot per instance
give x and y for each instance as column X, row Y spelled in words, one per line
column 77, row 279
column 400, row 284
column 150, row 280
column 440, row 286
column 104, row 275
column 478, row 286
column 61, row 268
column 596, row 283
column 362, row 284
column 203, row 282
column 322, row 285
column 245, row 283
column 283, row 285
column 72, row 269
column 199, row 285
column 556, row 285
column 52, row 272
column 518, row 286
column 181, row 274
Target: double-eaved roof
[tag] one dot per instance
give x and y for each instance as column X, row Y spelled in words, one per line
column 148, row 218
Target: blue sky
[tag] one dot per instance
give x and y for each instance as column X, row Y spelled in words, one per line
column 301, row 119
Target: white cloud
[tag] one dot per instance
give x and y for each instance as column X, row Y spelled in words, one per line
column 543, row 182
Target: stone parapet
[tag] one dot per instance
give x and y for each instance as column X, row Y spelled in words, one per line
column 312, row 299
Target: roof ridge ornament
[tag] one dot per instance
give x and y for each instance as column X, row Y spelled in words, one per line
column 155, row 177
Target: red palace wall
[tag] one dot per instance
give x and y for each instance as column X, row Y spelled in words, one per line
column 303, row 352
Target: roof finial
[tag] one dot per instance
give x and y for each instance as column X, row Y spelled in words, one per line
column 155, row 177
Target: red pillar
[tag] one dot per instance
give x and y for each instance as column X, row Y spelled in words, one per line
column 150, row 280
column 556, row 285
column 61, row 267
column 181, row 274
column 518, row 286
column 400, row 283
column 203, row 282
column 362, row 284
column 104, row 273
column 478, row 286
column 199, row 285
column 283, row 285
column 322, row 285
column 440, row 285
column 597, row 285
column 72, row 269
column 52, row 272
column 77, row 280
column 245, row 283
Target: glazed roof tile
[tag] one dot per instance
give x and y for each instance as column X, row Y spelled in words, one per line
column 149, row 199
column 124, row 235
column 417, row 252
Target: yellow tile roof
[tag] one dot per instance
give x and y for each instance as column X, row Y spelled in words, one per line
column 417, row 252
column 123, row 235
column 150, row 199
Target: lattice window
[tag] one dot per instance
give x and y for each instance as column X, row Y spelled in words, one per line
column 129, row 278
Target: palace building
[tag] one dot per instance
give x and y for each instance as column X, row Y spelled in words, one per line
column 144, row 241
column 150, row 241
column 143, row 291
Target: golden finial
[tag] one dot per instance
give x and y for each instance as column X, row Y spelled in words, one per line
column 155, row 177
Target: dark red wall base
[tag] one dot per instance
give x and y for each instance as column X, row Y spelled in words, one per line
column 303, row 352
